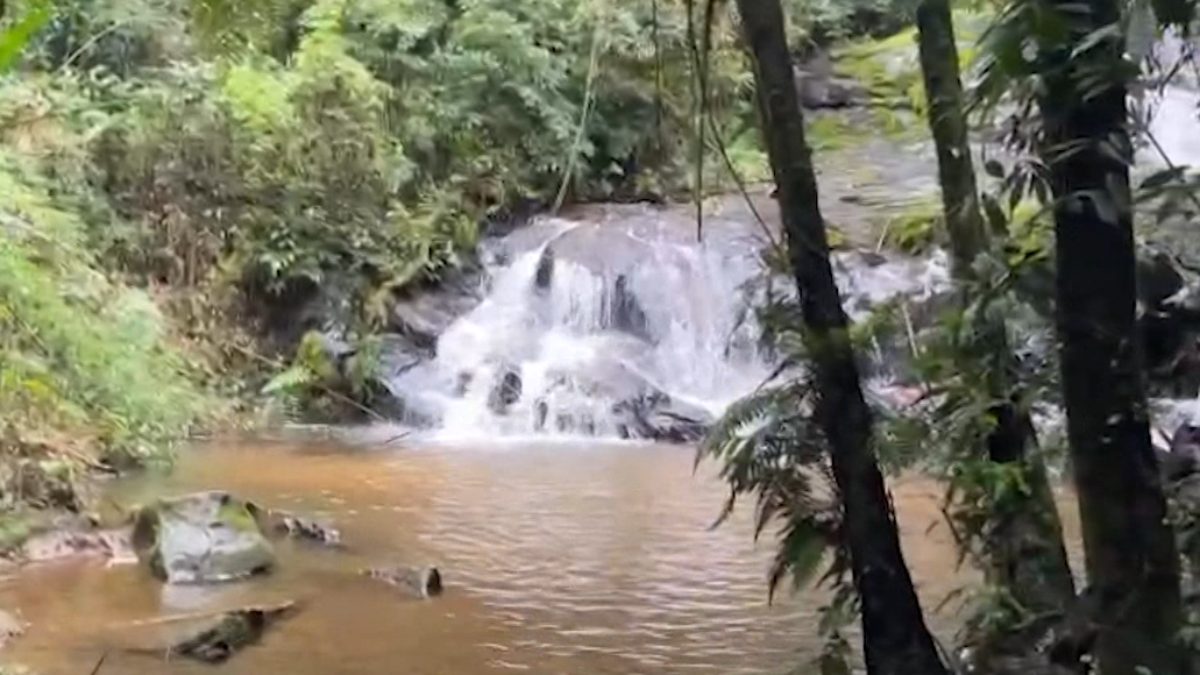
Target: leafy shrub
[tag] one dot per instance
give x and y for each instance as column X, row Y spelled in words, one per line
column 80, row 354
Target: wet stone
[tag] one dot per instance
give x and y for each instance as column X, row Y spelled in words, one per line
column 203, row 537
column 10, row 628
column 285, row 524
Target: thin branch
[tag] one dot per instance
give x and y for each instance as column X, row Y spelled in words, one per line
column 91, row 42
column 568, row 172
column 741, row 185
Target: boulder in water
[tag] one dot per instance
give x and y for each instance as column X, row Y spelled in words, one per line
column 203, row 537
column 505, row 392
column 10, row 628
column 421, row 582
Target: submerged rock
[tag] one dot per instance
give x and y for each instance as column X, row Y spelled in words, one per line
column 10, row 628
column 421, row 582
column 285, row 524
column 203, row 537
column 115, row 545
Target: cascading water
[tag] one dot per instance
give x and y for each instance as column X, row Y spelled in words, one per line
column 618, row 324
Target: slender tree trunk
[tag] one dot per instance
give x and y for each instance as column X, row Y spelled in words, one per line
column 895, row 638
column 1025, row 544
column 947, row 122
column 1131, row 557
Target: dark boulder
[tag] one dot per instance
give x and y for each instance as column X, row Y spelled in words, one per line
column 625, row 312
column 202, row 537
column 10, row 628
column 505, row 391
column 544, row 275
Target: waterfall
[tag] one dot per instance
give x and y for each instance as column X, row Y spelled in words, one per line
column 620, row 324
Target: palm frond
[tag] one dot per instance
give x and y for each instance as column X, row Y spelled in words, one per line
column 772, row 450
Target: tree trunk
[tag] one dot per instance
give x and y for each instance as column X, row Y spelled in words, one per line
column 895, row 638
column 1025, row 545
column 943, row 91
column 1131, row 556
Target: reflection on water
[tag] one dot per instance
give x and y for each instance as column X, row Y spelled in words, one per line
column 568, row 559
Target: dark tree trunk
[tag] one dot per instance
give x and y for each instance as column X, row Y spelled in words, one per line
column 1027, row 556
column 1131, row 556
column 947, row 122
column 895, row 638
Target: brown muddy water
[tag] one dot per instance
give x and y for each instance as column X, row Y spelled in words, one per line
column 579, row 559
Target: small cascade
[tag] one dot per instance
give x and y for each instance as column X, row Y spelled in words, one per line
column 619, row 324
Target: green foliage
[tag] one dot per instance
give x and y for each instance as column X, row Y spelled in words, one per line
column 916, row 229
column 825, row 21
column 17, row 34
column 80, row 353
column 890, row 67
column 771, row 448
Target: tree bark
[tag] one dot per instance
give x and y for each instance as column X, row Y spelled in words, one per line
column 1131, row 556
column 895, row 638
column 1025, row 545
column 948, row 124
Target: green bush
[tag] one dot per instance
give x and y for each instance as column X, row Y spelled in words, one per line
column 81, row 355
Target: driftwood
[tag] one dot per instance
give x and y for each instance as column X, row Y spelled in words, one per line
column 422, row 582
column 226, row 634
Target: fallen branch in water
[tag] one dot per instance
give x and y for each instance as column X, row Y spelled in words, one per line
column 228, row 633
column 99, row 664
column 209, row 614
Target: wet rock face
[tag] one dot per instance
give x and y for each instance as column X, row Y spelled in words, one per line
column 818, row 87
column 626, row 313
column 424, row 314
column 203, row 537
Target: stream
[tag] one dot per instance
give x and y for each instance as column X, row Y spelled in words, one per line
column 575, row 558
